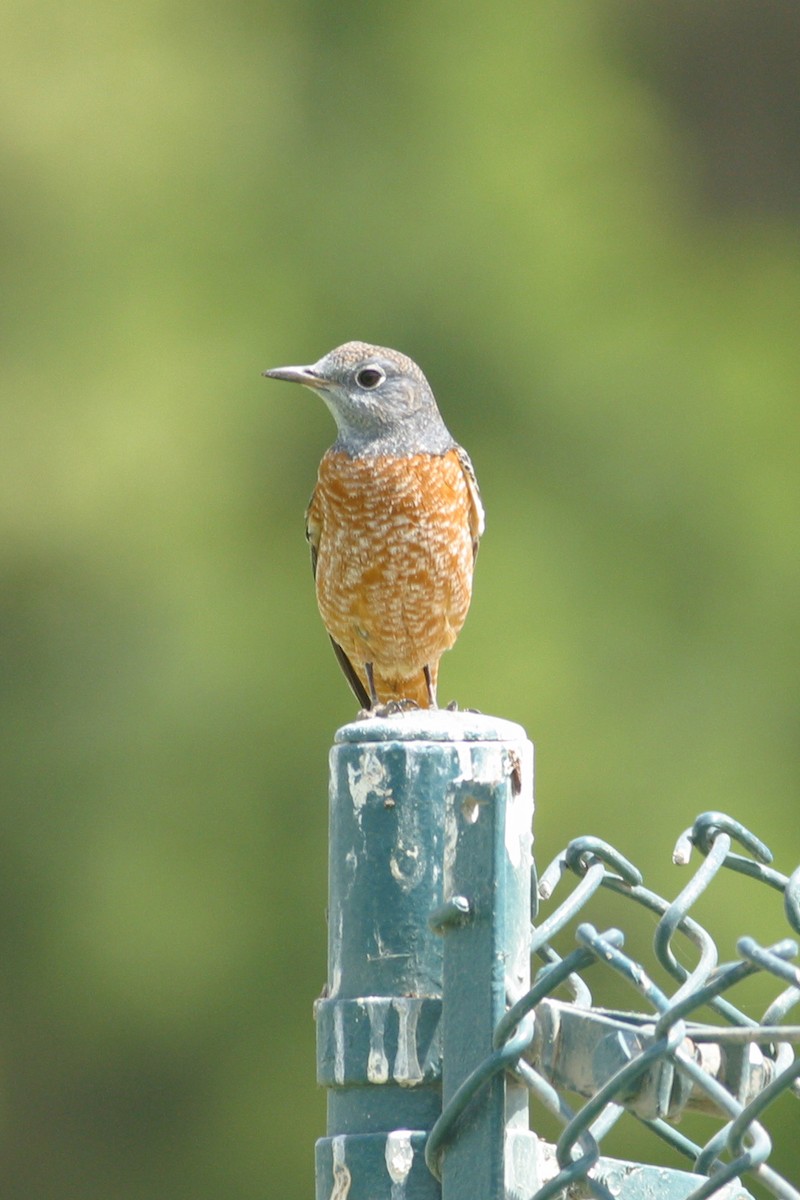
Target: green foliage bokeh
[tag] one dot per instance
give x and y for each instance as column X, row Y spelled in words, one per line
column 534, row 203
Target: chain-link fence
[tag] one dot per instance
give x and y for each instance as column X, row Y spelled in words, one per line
column 434, row 1038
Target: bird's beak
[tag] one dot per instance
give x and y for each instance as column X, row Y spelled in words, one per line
column 304, row 375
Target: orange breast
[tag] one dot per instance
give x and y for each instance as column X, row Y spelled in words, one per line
column 394, row 557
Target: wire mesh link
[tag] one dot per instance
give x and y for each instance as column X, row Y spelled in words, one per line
column 657, row 1061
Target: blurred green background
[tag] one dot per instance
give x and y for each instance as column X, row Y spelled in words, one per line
column 583, row 220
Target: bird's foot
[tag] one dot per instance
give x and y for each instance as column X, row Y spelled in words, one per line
column 390, row 709
column 453, row 707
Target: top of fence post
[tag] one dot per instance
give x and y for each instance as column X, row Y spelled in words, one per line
column 432, row 725
column 405, row 791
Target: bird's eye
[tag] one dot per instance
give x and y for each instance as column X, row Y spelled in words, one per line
column 370, row 377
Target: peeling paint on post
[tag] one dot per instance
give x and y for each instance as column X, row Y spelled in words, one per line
column 410, row 796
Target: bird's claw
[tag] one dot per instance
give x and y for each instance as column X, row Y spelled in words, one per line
column 390, row 709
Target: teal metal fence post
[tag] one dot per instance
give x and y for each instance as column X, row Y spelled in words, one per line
column 430, row 813
column 483, row 1144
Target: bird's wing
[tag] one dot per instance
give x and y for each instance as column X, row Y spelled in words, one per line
column 314, row 529
column 477, row 519
column 313, row 535
column 356, row 686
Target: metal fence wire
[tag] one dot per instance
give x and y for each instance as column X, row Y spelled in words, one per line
column 653, row 1063
column 589, row 1067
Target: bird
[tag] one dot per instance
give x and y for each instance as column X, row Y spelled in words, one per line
column 393, row 524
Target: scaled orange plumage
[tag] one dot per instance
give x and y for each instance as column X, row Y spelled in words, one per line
column 394, row 542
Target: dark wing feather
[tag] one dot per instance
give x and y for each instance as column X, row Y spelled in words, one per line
column 357, row 687
column 477, row 518
column 359, row 691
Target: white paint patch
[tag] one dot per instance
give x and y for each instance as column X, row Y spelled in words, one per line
column 519, row 818
column 341, row 1174
column 377, row 1062
column 399, row 1160
column 365, row 780
column 338, row 1043
column 480, row 763
column 513, row 831
column 337, row 936
column 408, row 860
column 450, row 843
column 464, row 754
column 407, row 1071
column 409, row 873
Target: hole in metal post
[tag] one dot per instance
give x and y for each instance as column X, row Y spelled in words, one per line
column 471, row 807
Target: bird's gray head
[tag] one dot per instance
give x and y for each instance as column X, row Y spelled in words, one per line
column 380, row 400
